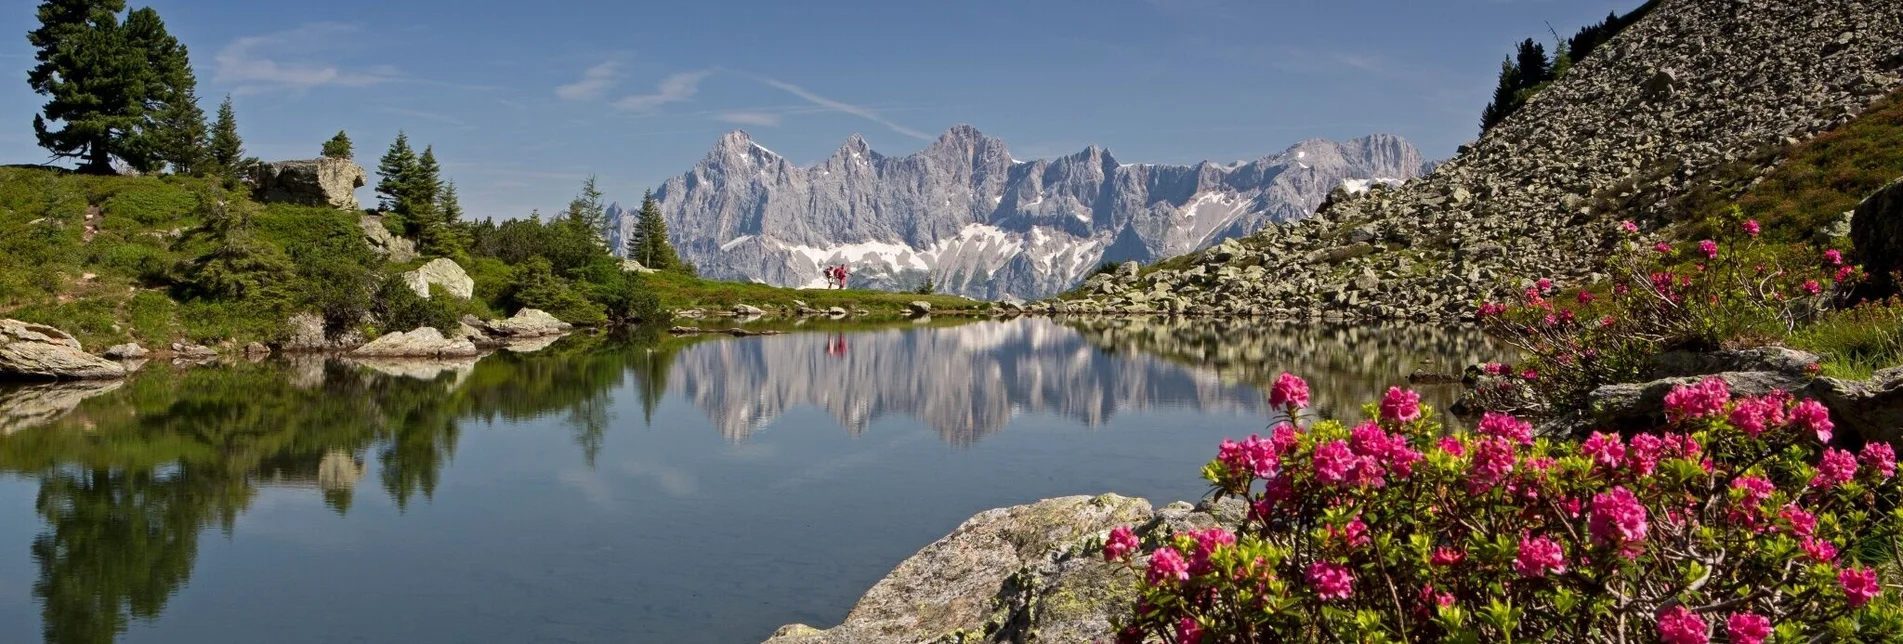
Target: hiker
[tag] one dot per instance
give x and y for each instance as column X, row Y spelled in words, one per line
column 832, row 276
column 842, row 276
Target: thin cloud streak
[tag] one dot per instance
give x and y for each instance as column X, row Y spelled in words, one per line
column 760, row 119
column 432, row 116
column 841, row 106
column 253, row 63
column 594, row 81
column 673, row 89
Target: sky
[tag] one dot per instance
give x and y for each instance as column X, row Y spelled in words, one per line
column 522, row 100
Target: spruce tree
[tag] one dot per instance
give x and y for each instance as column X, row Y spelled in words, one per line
column 227, row 150
column 1504, row 95
column 338, row 147
column 97, row 82
column 655, row 252
column 173, row 130
column 396, row 167
column 425, row 183
column 587, row 212
column 1533, row 65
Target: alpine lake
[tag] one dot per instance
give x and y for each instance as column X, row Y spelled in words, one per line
column 616, row 487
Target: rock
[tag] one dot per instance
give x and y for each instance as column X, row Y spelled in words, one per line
column 1635, row 406
column 747, row 311
column 256, row 351
column 1662, row 86
column 36, row 405
column 314, row 182
column 919, row 308
column 1026, row 573
column 1128, row 270
column 443, row 272
column 836, row 312
column 1870, row 409
column 37, row 351
column 1876, row 229
column 1838, row 229
column 1789, row 362
column 1341, row 253
column 306, row 333
column 529, row 323
column 1362, row 234
column 391, row 247
column 631, row 266
column 127, row 351
column 189, row 350
column 423, row 342
column 1421, row 377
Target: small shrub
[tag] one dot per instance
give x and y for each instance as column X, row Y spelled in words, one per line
column 398, row 308
column 159, row 204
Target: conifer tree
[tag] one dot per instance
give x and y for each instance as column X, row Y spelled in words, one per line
column 439, row 227
column 425, row 184
column 1533, row 65
column 101, row 78
column 655, row 252
column 396, row 167
column 338, row 147
column 227, row 150
column 587, row 212
column 173, row 131
column 1504, row 95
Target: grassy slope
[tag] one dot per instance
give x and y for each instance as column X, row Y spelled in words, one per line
column 681, row 292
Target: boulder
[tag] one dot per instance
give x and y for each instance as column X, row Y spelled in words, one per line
column 1635, row 406
column 37, row 351
column 1789, row 362
column 1871, row 409
column 747, row 311
column 528, row 323
column 257, row 351
column 190, row 350
column 631, row 266
column 306, row 333
column 1128, row 271
column 313, row 182
column 423, row 342
column 837, row 312
column 391, row 247
column 1876, row 229
column 443, row 272
column 127, row 351
column 919, row 308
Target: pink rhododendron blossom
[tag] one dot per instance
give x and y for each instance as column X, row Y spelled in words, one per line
column 1585, row 297
column 1530, row 374
column 1753, row 415
column 1756, row 490
column 1812, row 287
column 1432, row 597
column 1643, row 454
column 1604, row 449
column 1663, row 248
column 1254, row 456
column 1751, row 227
column 1494, row 369
column 1506, row 426
column 1401, row 405
column 1819, row 550
column 1834, row 257
column 1121, row 542
column 1628, row 226
column 1879, row 456
column 1618, row 519
column 1860, row 585
column 1844, row 273
column 1492, row 462
column 1452, row 445
column 1803, row 523
column 1289, row 391
column 1188, row 631
column 1812, row 415
column 1167, row 565
column 1748, row 628
column 1445, row 556
column 1544, row 285
column 1706, row 398
column 1539, row 555
column 1331, row 581
column 1679, row 625
column 1284, row 438
column 1354, row 534
column 1334, row 462
column 1207, row 541
column 1837, row 468
column 1709, row 248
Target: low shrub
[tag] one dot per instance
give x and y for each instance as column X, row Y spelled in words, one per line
column 1738, row 519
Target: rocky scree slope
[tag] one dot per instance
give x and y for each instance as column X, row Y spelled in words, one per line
column 1695, row 85
column 980, row 223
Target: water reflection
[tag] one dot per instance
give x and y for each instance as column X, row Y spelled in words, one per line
column 130, row 475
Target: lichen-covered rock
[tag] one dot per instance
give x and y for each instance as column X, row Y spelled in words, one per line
column 391, row 247
column 305, row 333
column 127, row 351
column 1877, row 231
column 314, row 182
column 1871, row 409
column 528, row 323
column 919, row 308
column 37, row 351
column 423, row 342
column 747, row 311
column 443, row 272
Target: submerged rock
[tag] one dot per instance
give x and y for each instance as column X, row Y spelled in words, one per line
column 37, row 351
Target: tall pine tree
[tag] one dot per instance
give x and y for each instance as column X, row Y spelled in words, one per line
column 396, row 167
column 587, row 212
column 227, row 150
column 102, row 79
column 654, row 251
column 173, row 132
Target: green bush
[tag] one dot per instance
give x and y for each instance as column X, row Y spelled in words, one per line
column 400, row 309
column 142, row 260
column 159, row 204
column 536, row 286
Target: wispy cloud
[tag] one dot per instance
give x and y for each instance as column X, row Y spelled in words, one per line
column 594, row 81
column 287, row 60
column 841, row 106
column 760, row 119
column 421, row 114
column 673, row 89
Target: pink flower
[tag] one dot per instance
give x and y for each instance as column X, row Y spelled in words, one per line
column 1331, row 581
column 1844, row 273
column 1585, row 297
column 1121, row 542
column 1445, row 556
column 1284, row 438
column 1812, row 287
column 1680, row 625
column 1860, row 585
column 1663, row 248
column 1628, row 226
column 1166, row 566
column 1431, row 597
column 1819, row 550
column 1188, row 631
column 1837, row 468
column 1709, row 248
column 1207, row 541
column 1813, row 416
column 1530, row 374
column 1492, row 462
column 1252, row 456
column 1753, row 415
column 1834, row 257
column 1539, row 555
column 1803, row 523
column 1756, row 490
column 1354, row 534
column 1618, row 519
column 1879, row 456
column 1289, row 392
column 1604, row 449
column 1334, row 462
column 1544, row 285
column 1706, row 398
column 1643, row 457
column 1506, row 426
column 1751, row 227
column 1748, row 628
column 1452, row 445
column 1401, row 405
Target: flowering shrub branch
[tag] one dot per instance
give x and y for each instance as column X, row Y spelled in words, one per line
column 1736, row 522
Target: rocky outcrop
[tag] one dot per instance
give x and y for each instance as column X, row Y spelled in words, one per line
column 423, row 342
column 631, row 266
column 965, row 215
column 40, row 352
column 391, row 247
column 305, row 333
column 528, row 323
column 1877, row 231
column 1694, row 86
column 443, row 272
column 314, row 182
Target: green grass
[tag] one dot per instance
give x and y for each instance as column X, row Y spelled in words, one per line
column 1856, row 342
column 678, row 292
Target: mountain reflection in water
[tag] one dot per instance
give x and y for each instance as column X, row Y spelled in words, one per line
column 125, row 477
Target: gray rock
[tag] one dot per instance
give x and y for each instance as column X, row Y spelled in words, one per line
column 1877, row 231
column 391, row 247
column 127, row 351
column 190, row 350
column 1128, row 270
column 747, row 311
column 1871, row 409
column 305, row 334
column 631, row 266
column 837, row 312
column 1632, row 406
column 1789, row 362
column 919, row 308
column 443, row 272
column 37, row 351
column 314, row 182
column 423, row 342
column 256, row 351
column 528, row 323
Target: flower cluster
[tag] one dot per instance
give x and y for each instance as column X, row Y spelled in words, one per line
column 1732, row 523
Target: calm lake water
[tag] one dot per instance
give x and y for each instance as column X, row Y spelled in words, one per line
column 609, row 489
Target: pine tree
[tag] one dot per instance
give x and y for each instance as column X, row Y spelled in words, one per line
column 1533, row 65
column 396, row 167
column 425, row 183
column 338, row 147
column 173, row 131
column 227, row 150
column 440, row 227
column 97, row 80
column 655, row 252
column 1504, row 96
column 587, row 212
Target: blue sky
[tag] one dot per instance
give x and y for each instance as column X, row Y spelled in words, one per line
column 523, row 99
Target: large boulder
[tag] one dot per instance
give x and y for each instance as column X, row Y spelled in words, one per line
column 40, row 352
column 306, row 333
column 1871, row 409
column 392, row 247
column 1641, row 405
column 528, row 323
column 442, row 272
column 423, row 342
column 1877, row 231
column 313, row 182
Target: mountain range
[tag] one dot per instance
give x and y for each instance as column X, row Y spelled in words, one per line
column 975, row 221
